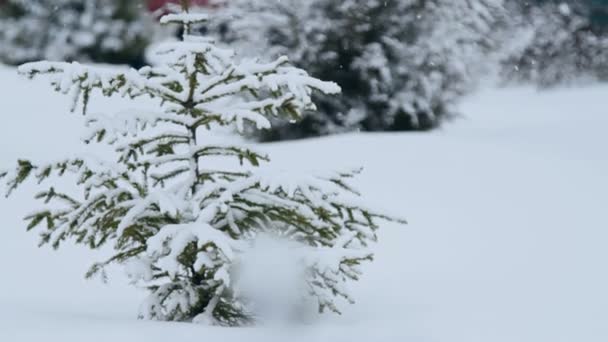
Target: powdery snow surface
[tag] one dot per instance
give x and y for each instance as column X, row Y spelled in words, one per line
column 506, row 242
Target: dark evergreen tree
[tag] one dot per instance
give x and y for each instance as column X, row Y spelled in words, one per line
column 401, row 64
column 107, row 31
column 560, row 45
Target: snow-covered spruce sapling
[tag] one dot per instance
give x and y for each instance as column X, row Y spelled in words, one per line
column 175, row 209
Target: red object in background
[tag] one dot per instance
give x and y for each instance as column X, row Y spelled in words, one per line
column 154, row 5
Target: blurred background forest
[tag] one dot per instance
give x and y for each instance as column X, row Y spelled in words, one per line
column 402, row 64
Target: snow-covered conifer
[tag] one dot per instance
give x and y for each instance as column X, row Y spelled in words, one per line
column 178, row 206
column 558, row 45
column 401, row 64
column 109, row 31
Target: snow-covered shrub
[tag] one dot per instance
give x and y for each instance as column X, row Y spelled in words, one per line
column 109, row 31
column 402, row 64
column 180, row 206
column 558, row 46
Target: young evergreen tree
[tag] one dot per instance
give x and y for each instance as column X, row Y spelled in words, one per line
column 178, row 208
column 402, row 64
column 108, row 31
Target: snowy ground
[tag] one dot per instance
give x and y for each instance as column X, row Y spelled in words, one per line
column 507, row 236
